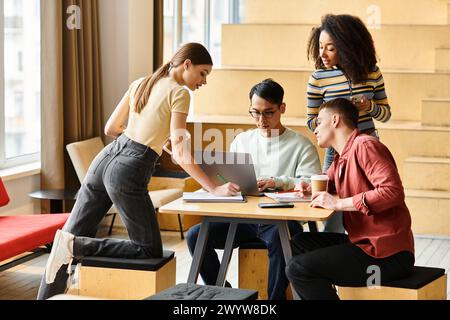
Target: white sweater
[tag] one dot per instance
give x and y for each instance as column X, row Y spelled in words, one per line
column 288, row 158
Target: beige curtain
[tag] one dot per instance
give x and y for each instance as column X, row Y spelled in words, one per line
column 158, row 34
column 52, row 137
column 71, row 87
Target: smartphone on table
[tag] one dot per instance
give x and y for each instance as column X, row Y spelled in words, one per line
column 276, row 205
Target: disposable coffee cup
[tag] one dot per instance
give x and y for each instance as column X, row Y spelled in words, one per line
column 319, row 183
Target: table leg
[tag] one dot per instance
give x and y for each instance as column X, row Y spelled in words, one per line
column 180, row 224
column 228, row 250
column 312, row 226
column 56, row 206
column 283, row 230
column 200, row 246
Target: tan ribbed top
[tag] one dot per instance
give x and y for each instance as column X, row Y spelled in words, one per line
column 152, row 126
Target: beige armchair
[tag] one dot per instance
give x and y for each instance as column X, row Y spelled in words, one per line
column 82, row 153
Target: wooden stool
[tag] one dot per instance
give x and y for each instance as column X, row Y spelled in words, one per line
column 126, row 279
column 71, row 297
column 253, row 269
column 424, row 284
column 191, row 291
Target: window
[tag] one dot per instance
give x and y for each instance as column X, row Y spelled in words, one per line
column 20, row 51
column 193, row 21
column 20, row 61
column 198, row 21
column 169, row 22
column 221, row 13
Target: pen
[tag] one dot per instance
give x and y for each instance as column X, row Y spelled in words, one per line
column 222, row 178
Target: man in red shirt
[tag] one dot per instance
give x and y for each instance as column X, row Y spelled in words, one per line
column 364, row 184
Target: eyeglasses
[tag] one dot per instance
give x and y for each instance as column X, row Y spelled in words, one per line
column 317, row 122
column 265, row 114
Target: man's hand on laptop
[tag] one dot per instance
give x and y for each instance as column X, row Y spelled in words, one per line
column 226, row 190
column 264, row 184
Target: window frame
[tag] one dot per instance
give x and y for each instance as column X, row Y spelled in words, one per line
column 21, row 159
column 233, row 18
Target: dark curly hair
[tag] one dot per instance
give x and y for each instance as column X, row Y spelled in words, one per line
column 353, row 42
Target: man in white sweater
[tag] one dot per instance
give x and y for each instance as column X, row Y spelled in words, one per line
column 282, row 157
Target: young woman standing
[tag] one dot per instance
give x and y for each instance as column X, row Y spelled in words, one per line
column 152, row 110
column 346, row 67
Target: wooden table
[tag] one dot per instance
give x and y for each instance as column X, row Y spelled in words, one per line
column 235, row 213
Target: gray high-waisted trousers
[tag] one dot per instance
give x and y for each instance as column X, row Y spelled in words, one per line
column 119, row 175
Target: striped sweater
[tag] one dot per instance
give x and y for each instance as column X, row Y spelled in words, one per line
column 332, row 83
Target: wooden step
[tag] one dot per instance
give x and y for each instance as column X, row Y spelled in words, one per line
column 305, row 11
column 436, row 112
column 285, row 45
column 405, row 90
column 403, row 138
column 448, row 12
column 442, row 59
column 426, row 173
column 430, row 211
column 401, row 141
column 300, row 122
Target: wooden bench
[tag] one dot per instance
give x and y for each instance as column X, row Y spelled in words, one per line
column 184, row 291
column 425, row 283
column 126, row 279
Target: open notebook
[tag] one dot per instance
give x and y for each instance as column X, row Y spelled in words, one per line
column 287, row 197
column 203, row 196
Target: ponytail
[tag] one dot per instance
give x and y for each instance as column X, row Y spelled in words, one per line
column 145, row 87
column 195, row 52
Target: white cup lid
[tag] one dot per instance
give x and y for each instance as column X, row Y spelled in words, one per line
column 320, row 177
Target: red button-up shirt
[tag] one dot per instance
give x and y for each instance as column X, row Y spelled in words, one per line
column 366, row 171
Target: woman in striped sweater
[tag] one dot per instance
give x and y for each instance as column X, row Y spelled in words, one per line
column 346, row 67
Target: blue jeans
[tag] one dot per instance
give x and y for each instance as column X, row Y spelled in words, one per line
column 119, row 174
column 246, row 233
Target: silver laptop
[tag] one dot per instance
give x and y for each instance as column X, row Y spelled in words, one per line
column 223, row 167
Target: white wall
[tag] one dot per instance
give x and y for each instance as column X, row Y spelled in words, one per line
column 20, row 203
column 140, row 39
column 126, row 33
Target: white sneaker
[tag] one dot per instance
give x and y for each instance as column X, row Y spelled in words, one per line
column 62, row 253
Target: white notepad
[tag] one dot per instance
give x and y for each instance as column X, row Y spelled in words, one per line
column 203, row 196
column 287, row 197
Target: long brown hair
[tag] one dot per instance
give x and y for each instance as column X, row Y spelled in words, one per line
column 353, row 42
column 195, row 52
